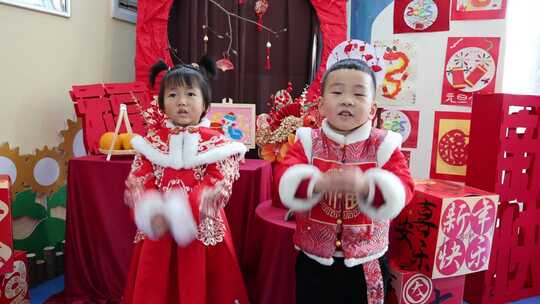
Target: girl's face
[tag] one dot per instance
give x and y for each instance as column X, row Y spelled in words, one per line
column 184, row 105
column 348, row 99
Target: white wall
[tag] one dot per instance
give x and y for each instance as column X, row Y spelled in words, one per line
column 522, row 60
column 431, row 52
column 42, row 55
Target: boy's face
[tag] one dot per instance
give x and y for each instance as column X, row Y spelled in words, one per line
column 348, row 99
column 184, row 105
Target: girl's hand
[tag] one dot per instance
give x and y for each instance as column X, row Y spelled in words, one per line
column 159, row 225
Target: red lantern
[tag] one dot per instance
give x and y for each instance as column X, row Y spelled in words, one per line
column 267, row 64
column 225, row 64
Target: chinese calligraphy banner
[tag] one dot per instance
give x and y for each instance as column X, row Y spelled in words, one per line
column 6, row 227
column 421, row 16
column 450, row 146
column 404, row 123
column 398, row 86
column 410, row 287
column 478, row 9
column 446, row 231
column 470, row 68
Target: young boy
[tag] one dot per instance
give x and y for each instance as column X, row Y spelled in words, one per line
column 346, row 181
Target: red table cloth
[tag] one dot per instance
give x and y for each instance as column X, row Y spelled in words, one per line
column 275, row 278
column 100, row 231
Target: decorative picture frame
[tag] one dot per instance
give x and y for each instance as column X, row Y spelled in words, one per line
column 237, row 121
column 54, row 7
column 449, row 152
column 125, row 10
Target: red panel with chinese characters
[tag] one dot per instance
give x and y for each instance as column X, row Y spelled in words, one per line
column 6, row 228
column 504, row 158
column 410, row 287
column 98, row 105
column 446, row 231
column 14, row 284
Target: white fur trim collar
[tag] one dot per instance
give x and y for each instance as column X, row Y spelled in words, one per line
column 360, row 134
column 183, row 151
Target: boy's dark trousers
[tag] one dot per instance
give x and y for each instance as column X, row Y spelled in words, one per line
column 335, row 284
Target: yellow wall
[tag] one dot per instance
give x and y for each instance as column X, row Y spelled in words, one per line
column 42, row 55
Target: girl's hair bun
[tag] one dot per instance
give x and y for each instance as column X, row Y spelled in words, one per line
column 207, row 66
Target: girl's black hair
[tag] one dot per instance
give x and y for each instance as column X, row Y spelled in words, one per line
column 350, row 64
column 185, row 75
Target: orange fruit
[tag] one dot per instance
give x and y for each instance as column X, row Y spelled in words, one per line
column 106, row 139
column 125, row 138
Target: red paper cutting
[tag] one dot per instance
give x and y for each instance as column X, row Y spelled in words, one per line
column 478, row 9
column 503, row 158
column 450, row 146
column 421, row 16
column 14, row 285
column 470, row 68
column 98, row 105
column 6, row 226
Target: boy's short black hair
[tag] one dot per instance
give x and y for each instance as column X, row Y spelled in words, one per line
column 184, row 75
column 349, row 64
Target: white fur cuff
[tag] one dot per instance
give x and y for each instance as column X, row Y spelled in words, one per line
column 393, row 193
column 178, row 213
column 291, row 179
column 150, row 205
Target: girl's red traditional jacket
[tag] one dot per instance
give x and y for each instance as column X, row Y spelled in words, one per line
column 344, row 224
column 186, row 175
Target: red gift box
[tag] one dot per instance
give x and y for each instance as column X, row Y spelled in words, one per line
column 6, row 228
column 409, row 287
column 14, row 284
column 446, row 230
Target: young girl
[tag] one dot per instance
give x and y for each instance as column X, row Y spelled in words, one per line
column 346, row 180
column 180, row 180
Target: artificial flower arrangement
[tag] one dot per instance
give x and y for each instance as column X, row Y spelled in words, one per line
column 276, row 130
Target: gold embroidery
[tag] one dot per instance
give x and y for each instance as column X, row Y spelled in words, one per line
column 139, row 236
column 211, row 230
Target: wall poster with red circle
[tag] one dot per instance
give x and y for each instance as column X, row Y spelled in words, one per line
column 421, row 16
column 478, row 9
column 470, row 67
column 450, row 146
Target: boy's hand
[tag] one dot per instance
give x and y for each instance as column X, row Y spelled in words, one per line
column 159, row 225
column 348, row 179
